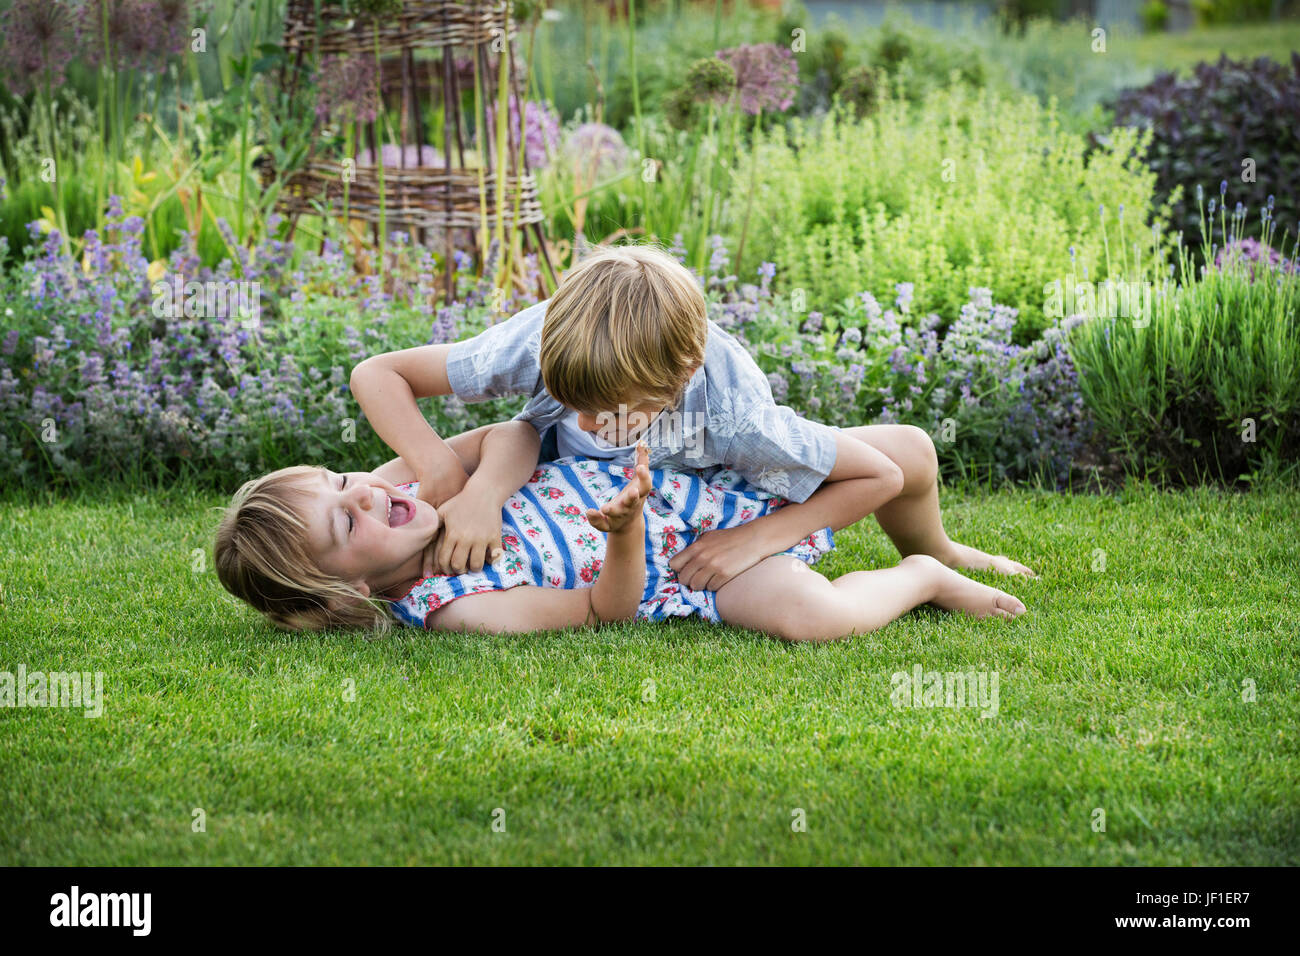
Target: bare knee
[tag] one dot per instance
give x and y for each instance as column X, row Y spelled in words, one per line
column 921, row 469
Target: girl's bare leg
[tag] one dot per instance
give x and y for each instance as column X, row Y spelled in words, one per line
column 912, row 520
column 786, row 598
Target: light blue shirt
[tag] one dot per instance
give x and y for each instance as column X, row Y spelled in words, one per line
column 726, row 416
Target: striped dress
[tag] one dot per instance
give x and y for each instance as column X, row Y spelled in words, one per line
column 548, row 542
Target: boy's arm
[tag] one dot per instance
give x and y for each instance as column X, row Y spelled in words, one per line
column 467, row 446
column 862, row 479
column 499, row 361
column 471, row 521
column 386, row 387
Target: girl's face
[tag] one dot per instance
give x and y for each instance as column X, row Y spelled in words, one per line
column 363, row 530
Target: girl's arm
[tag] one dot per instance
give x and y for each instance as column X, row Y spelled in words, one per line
column 519, row 610
column 615, row 596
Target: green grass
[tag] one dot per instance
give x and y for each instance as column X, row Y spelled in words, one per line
column 1121, row 690
column 1182, row 51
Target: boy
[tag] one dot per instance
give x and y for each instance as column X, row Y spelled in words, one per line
column 624, row 350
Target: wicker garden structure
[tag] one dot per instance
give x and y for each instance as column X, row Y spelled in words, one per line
column 433, row 196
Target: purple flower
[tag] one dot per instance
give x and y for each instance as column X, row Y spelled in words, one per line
column 766, row 76
column 1250, row 252
column 541, row 130
column 904, row 290
column 780, row 387
column 347, row 89
column 124, row 32
column 40, row 38
column 596, row 151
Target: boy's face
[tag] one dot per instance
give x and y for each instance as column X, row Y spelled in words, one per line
column 362, row 529
column 623, row 425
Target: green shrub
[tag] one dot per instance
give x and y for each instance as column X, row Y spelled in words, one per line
column 972, row 190
column 1155, row 16
column 1210, row 12
column 1232, row 120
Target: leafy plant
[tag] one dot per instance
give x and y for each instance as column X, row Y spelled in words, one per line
column 974, row 190
column 1233, row 120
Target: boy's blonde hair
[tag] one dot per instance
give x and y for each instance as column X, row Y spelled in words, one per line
column 262, row 557
column 627, row 325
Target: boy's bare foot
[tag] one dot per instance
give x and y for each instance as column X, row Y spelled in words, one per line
column 958, row 593
column 973, row 559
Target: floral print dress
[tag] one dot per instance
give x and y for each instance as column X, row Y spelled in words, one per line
column 548, row 542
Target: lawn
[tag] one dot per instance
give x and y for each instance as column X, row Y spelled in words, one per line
column 1182, row 51
column 1122, row 689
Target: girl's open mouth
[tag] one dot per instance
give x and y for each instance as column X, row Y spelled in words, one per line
column 400, row 511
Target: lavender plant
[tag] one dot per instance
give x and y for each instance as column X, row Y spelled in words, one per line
column 104, row 377
column 996, row 410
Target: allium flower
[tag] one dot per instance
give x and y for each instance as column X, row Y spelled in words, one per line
column 348, row 89
column 174, row 24
column 541, row 130
column 766, row 76
column 39, row 39
column 597, row 151
column 860, row 90
column 108, row 29
column 710, row 80
column 394, row 156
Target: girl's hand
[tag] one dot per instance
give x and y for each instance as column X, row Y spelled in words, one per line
column 626, row 507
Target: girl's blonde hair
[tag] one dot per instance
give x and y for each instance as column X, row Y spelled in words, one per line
column 262, row 558
column 627, row 325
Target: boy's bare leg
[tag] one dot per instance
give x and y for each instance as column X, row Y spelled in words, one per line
column 912, row 520
column 786, row 598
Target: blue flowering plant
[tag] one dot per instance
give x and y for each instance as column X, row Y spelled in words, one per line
column 997, row 410
column 105, row 373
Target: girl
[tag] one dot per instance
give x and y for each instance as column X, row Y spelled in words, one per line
column 311, row 548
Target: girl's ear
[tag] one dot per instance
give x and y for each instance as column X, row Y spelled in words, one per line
column 361, row 586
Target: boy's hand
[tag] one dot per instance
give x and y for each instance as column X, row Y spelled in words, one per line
column 440, row 487
column 626, row 507
column 470, row 536
column 717, row 556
